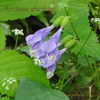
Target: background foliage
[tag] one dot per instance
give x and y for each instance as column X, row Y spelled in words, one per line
column 17, row 65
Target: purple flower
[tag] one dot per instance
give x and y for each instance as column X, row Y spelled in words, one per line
column 49, row 58
column 35, row 50
column 56, row 36
column 39, row 35
column 36, row 39
column 51, row 69
column 51, row 50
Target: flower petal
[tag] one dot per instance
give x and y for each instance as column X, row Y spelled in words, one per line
column 32, row 39
column 51, row 68
column 48, row 46
column 60, row 52
column 56, row 36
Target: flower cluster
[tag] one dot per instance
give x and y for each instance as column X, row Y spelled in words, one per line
column 47, row 54
column 18, row 32
column 96, row 20
column 8, row 81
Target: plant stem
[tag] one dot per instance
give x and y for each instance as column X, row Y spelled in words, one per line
column 69, row 74
column 83, row 45
column 63, row 76
column 96, row 26
column 96, row 71
column 74, row 57
column 9, row 92
column 16, row 42
column 72, row 25
column 89, row 65
column 99, row 8
column 97, row 77
column 70, row 78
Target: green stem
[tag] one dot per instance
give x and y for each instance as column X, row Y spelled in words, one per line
column 70, row 78
column 72, row 25
column 81, row 47
column 91, row 8
column 96, row 71
column 9, row 93
column 97, row 77
column 89, row 65
column 98, row 97
column 69, row 73
column 95, row 29
column 63, row 76
column 99, row 8
column 88, row 71
column 16, row 42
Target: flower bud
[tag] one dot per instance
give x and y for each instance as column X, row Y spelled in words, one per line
column 64, row 22
column 66, row 39
column 70, row 43
column 58, row 21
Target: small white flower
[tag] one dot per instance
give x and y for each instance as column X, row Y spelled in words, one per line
column 10, row 82
column 21, row 32
column 49, row 75
column 38, row 62
column 14, row 80
column 5, row 79
column 10, row 78
column 7, row 88
column 96, row 20
column 92, row 19
column 3, row 84
column 17, row 31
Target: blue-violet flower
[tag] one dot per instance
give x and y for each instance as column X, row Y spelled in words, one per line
column 36, row 39
column 51, row 69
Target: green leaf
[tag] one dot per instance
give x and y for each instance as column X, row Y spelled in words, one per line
column 15, row 9
column 68, row 88
column 25, row 49
column 78, row 3
column 92, row 47
column 4, row 98
column 59, row 13
column 80, row 22
column 14, row 65
column 83, row 79
column 31, row 90
column 6, row 29
column 2, row 39
column 43, row 19
column 84, row 61
column 65, row 57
